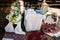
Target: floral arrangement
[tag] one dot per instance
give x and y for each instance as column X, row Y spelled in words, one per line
column 15, row 12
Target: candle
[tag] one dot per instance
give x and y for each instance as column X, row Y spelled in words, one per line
column 21, row 6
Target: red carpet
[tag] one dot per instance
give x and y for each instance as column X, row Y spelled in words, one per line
column 35, row 35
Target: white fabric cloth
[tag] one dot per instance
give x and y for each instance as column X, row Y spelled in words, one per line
column 29, row 11
column 33, row 22
column 9, row 27
column 58, row 24
column 49, row 20
column 17, row 30
column 7, row 39
column 56, row 34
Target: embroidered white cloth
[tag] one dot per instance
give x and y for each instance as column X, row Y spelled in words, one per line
column 9, row 27
column 56, row 34
column 17, row 30
column 49, row 20
column 7, row 39
column 33, row 22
